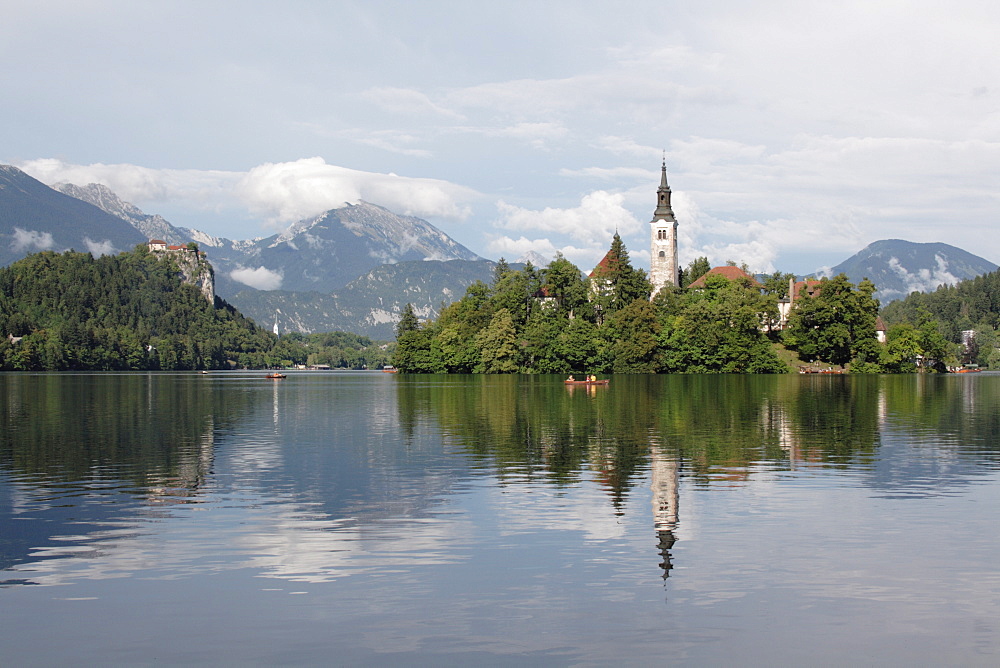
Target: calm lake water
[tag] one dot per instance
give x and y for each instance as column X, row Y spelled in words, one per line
column 376, row 519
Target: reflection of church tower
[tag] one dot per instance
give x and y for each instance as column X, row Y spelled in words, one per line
column 663, row 264
column 663, row 471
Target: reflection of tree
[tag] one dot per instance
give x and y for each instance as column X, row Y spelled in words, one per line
column 720, row 426
column 150, row 430
column 82, row 450
column 945, row 423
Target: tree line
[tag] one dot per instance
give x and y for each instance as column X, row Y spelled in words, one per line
column 133, row 311
column 972, row 305
column 555, row 320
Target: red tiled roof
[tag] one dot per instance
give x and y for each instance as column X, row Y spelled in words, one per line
column 810, row 285
column 728, row 272
column 604, row 266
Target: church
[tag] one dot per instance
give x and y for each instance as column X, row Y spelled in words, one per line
column 663, row 264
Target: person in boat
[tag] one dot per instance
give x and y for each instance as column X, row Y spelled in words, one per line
column 571, row 378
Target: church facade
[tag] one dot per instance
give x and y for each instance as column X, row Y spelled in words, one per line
column 663, row 263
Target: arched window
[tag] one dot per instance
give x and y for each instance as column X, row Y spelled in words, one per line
column 662, row 254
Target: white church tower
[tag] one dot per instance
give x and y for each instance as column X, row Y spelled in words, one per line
column 663, row 265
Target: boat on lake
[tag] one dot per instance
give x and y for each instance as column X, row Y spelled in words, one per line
column 276, row 376
column 605, row 381
column 389, row 369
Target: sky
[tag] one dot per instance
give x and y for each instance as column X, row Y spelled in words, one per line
column 794, row 132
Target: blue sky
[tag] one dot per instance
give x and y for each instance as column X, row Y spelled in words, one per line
column 795, row 133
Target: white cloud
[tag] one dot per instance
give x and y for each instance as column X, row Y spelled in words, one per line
column 537, row 135
column 30, row 240
column 406, row 101
column 597, row 218
column 392, row 141
column 812, row 128
column 291, row 191
column 924, row 280
column 282, row 192
column 509, row 248
column 260, row 278
column 207, row 188
column 99, row 247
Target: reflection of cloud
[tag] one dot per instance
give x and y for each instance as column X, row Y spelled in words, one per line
column 590, row 512
column 289, row 541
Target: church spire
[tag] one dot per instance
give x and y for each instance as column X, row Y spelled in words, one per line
column 663, row 262
column 663, row 193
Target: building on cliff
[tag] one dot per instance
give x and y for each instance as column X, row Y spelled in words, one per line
column 193, row 265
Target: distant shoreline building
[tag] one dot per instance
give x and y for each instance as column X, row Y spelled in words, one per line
column 663, row 264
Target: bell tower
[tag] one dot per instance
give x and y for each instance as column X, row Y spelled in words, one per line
column 663, row 266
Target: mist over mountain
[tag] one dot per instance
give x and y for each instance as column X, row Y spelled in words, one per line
column 354, row 268
column 371, row 304
column 898, row 267
column 152, row 226
column 34, row 217
column 325, row 253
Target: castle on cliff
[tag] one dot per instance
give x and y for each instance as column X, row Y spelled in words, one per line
column 194, row 267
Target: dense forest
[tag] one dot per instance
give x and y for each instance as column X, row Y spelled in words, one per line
column 970, row 306
column 133, row 311
column 553, row 320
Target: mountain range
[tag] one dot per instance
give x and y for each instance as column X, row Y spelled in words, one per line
column 900, row 267
column 34, row 217
column 353, row 268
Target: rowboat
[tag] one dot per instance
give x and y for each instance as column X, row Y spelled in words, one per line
column 275, row 376
column 587, row 382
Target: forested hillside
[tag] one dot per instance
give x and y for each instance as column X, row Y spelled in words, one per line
column 553, row 320
column 126, row 311
column 973, row 305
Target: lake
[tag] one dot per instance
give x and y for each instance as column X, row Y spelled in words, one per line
column 356, row 518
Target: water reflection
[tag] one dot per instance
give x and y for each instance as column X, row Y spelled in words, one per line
column 663, row 480
column 95, row 452
column 467, row 495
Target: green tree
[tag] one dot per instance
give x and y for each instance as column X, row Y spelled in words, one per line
column 631, row 334
column 615, row 283
column 902, row 348
column 696, row 269
column 577, row 346
column 777, row 284
column 718, row 330
column 564, row 283
column 835, row 325
column 498, row 345
column 413, row 345
column 934, row 347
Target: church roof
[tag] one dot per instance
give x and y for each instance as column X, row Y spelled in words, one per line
column 603, row 267
column 728, row 272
